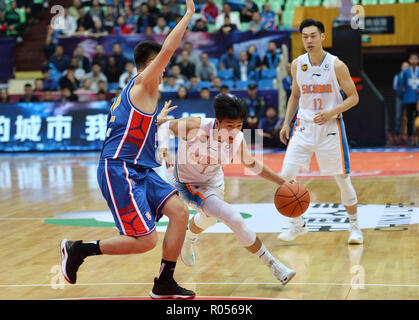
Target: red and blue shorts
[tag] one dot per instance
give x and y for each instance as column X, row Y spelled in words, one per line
column 135, row 195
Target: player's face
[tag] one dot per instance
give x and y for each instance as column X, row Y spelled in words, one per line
column 228, row 129
column 312, row 38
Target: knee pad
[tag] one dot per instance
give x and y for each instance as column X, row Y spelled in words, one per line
column 347, row 191
column 204, row 221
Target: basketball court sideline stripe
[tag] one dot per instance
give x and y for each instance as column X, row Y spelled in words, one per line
column 212, row 283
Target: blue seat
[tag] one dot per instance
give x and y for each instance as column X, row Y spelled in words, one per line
column 225, row 74
column 203, row 84
column 242, row 84
column 214, row 61
column 265, row 84
column 113, row 86
column 228, row 83
column 268, row 74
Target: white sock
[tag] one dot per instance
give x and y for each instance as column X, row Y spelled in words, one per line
column 264, row 255
column 299, row 221
column 353, row 219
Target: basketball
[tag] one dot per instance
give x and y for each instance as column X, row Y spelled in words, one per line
column 292, row 199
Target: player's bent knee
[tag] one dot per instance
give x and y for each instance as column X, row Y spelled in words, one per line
column 176, row 209
column 347, row 191
column 145, row 243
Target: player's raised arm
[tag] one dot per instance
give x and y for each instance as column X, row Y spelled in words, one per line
column 292, row 105
column 347, row 85
column 155, row 69
column 261, row 169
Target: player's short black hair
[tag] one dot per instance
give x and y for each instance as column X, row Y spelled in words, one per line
column 144, row 51
column 229, row 107
column 311, row 22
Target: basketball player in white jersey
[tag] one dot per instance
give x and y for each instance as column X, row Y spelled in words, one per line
column 318, row 78
column 205, row 146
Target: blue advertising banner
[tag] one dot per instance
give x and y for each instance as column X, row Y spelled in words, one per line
column 215, row 44
column 69, row 126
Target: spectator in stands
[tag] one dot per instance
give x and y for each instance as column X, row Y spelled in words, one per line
column 12, row 19
column 182, row 93
column 272, row 57
column 152, row 7
column 254, row 56
column 268, row 17
column 49, row 84
column 96, row 11
column 51, row 42
column 98, row 29
column 109, row 21
column 161, row 27
column 3, row 24
column 83, row 62
column 193, row 83
column 101, row 95
column 59, row 59
column 180, row 80
column 216, row 84
column 47, row 96
column 119, row 57
column 168, row 84
column 166, row 13
column 271, row 125
column 95, row 76
column 206, row 70
column 228, row 61
column 174, row 7
column 100, row 57
column 187, row 68
column 410, row 86
column 4, row 96
column 228, row 27
column 86, row 87
column 130, row 19
column 121, row 27
column 39, row 85
column 85, row 21
column 28, row 96
column 245, row 70
column 224, row 89
column 255, row 107
column 67, row 95
column 69, row 80
column 247, row 12
column 70, row 24
column 145, row 22
column 204, row 93
column 200, row 26
column 74, row 9
column 209, row 11
column 256, row 24
column 398, row 88
column 193, row 56
column 130, row 72
column 287, row 82
column 111, row 71
column 220, row 20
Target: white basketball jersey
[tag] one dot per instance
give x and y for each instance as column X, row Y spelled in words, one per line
column 319, row 88
column 200, row 159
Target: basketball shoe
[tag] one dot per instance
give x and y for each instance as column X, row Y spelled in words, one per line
column 355, row 234
column 296, row 228
column 70, row 260
column 170, row 290
column 187, row 253
column 281, row 272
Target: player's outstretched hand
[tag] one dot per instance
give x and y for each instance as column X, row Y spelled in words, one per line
column 164, row 154
column 162, row 117
column 284, row 134
column 190, row 6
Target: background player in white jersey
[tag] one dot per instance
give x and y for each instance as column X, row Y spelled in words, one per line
column 318, row 78
column 205, row 145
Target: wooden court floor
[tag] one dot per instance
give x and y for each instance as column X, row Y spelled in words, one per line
column 35, row 187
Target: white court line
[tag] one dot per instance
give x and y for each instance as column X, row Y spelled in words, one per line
column 211, row 283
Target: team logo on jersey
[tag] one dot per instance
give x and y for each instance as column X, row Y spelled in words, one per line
column 304, row 67
column 326, row 66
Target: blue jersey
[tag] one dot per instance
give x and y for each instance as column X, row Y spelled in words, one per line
column 410, row 81
column 131, row 133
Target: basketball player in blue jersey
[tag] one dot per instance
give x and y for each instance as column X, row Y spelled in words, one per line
column 318, row 78
column 135, row 193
